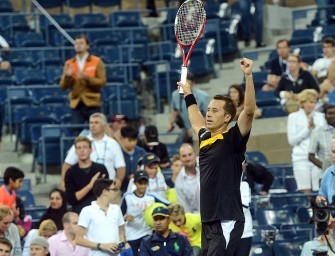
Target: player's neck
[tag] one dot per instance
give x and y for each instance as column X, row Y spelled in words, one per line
column 219, row 131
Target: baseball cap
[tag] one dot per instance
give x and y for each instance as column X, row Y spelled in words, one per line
column 141, row 175
column 151, row 133
column 119, row 117
column 148, row 159
column 161, row 211
column 40, row 240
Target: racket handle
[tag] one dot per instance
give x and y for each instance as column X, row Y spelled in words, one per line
column 183, row 78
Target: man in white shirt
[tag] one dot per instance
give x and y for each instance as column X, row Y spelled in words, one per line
column 63, row 243
column 101, row 225
column 105, row 150
column 188, row 180
column 321, row 65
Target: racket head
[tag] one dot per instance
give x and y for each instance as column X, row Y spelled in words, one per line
column 189, row 22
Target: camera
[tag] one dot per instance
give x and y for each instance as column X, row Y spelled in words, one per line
column 321, row 215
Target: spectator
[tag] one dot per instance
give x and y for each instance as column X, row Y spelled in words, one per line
column 163, row 239
column 133, row 206
column 252, row 24
column 246, row 240
column 178, row 108
column 12, row 178
column 188, row 224
column 46, row 229
column 57, row 208
column 84, row 75
column 321, row 65
column 300, row 125
column 5, row 247
column 9, row 230
column 176, row 166
column 63, row 243
column 118, row 121
column 39, row 246
column 324, row 13
column 328, row 85
column 278, row 65
column 236, row 93
column 101, row 225
column 188, row 180
column 4, row 64
column 131, row 153
column 319, row 148
column 80, row 177
column 22, row 221
column 105, row 151
column 294, row 82
column 151, row 144
column 157, row 185
column 257, row 173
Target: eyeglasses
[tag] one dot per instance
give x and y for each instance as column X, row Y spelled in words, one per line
column 114, row 189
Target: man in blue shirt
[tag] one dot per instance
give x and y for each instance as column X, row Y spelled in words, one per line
column 163, row 241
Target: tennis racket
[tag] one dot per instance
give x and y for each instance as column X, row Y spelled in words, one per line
column 188, row 26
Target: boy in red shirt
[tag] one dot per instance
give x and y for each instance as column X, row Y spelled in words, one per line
column 13, row 178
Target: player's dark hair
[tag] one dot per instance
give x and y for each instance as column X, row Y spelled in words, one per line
column 12, row 173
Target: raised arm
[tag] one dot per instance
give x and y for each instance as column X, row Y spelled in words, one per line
column 195, row 116
column 247, row 115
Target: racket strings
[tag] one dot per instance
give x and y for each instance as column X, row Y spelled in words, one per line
column 189, row 21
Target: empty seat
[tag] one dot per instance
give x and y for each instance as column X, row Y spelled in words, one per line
column 31, row 39
column 21, row 59
column 273, row 111
column 116, row 73
column 6, row 6
column 92, row 20
column 54, row 75
column 125, row 19
column 28, row 76
column 107, row 3
column 257, row 157
column 276, row 217
column 15, row 22
column 289, row 247
column 47, row 57
column 27, row 198
column 102, row 38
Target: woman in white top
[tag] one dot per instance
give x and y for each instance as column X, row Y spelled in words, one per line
column 299, row 127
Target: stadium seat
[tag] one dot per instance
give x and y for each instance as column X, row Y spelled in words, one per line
column 302, row 36
column 51, row 3
column 116, row 73
column 125, row 19
column 46, row 57
column 257, row 157
column 305, row 214
column 172, row 148
column 78, row 4
column 260, row 249
column 275, row 216
column 54, row 75
column 21, row 59
column 5, row 77
column 6, row 6
column 289, row 247
column 103, row 38
column 264, row 233
column 290, row 184
column 36, row 212
column 27, row 198
column 31, row 39
column 160, row 50
column 273, row 111
column 296, row 231
column 29, row 76
column 92, row 20
column 15, row 22
column 108, row 3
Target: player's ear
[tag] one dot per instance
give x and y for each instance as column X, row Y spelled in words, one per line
column 227, row 118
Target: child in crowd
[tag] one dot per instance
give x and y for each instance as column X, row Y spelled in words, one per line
column 22, row 221
column 133, row 205
column 13, row 178
column 188, row 224
column 176, row 166
column 157, row 185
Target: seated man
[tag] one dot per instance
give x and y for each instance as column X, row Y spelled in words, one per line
column 165, row 241
column 4, row 64
column 5, row 247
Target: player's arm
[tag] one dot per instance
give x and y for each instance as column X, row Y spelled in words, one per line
column 247, row 115
column 195, row 116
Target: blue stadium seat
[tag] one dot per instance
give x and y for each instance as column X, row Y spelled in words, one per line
column 288, row 247
column 160, row 50
column 78, row 4
column 305, row 214
column 263, row 95
column 296, row 231
column 50, row 100
column 116, row 73
column 29, row 76
column 273, row 111
column 47, row 57
column 31, row 39
column 137, row 53
column 302, row 36
column 5, row 77
column 21, row 59
column 15, row 22
column 26, row 185
column 103, row 38
column 275, row 216
column 42, row 91
column 290, row 184
column 36, row 212
column 111, row 55
column 257, row 157
column 54, row 75
column 125, row 19
column 6, row 6
column 51, row 3
column 264, row 233
column 27, row 198
column 260, row 249
column 90, row 20
column 201, row 63
column 173, row 149
column 108, row 3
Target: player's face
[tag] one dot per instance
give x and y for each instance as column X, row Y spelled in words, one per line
column 178, row 220
column 81, row 46
column 129, row 144
column 293, row 63
column 16, row 184
column 97, row 127
column 328, row 50
column 5, row 223
column 216, row 117
column 141, row 185
column 83, row 150
column 4, row 250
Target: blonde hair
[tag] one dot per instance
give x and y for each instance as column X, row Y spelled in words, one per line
column 176, row 209
column 306, row 95
column 101, row 116
column 5, row 211
column 175, row 158
column 47, row 225
column 81, row 138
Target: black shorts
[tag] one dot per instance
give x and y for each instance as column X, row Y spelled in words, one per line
column 213, row 242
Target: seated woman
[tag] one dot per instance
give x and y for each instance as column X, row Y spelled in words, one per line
column 236, row 93
column 57, row 208
column 22, row 221
column 46, row 229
